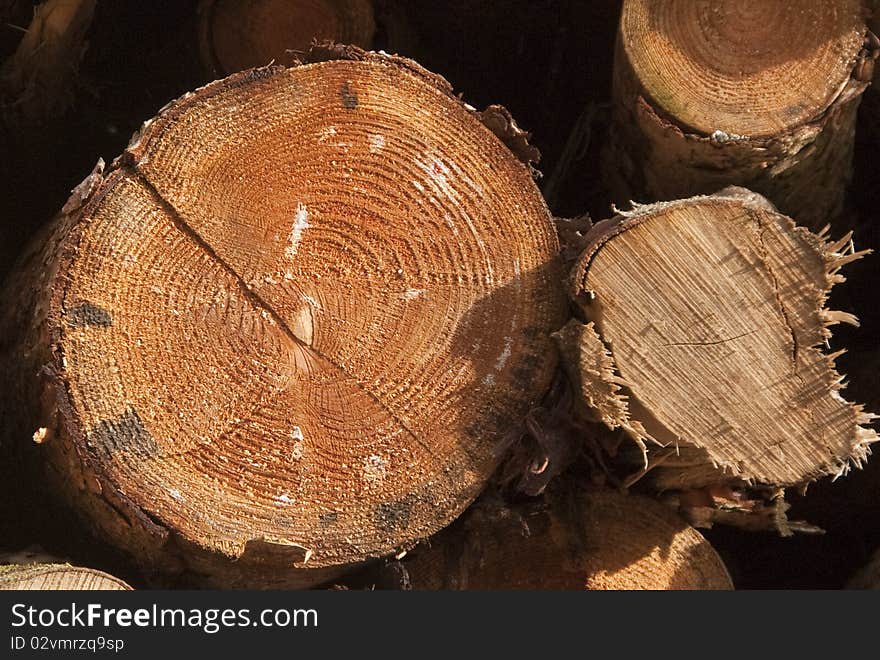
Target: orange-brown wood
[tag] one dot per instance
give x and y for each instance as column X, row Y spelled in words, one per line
column 291, row 326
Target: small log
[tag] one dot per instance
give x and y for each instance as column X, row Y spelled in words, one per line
column 57, row 577
column 704, row 322
column 291, row 326
column 14, row 18
column 594, row 541
column 761, row 94
column 867, row 577
column 871, row 113
column 240, row 34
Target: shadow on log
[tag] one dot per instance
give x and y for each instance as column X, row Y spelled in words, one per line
column 289, row 328
column 762, row 95
column 701, row 336
column 569, row 539
column 240, row 34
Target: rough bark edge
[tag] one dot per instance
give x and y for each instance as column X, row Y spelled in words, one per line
column 73, row 473
column 258, row 561
column 77, row 474
column 495, row 117
column 584, row 353
column 833, row 258
column 571, row 233
column 861, row 73
column 764, row 163
column 38, row 398
column 604, row 399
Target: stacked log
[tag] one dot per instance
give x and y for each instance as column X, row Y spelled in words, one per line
column 57, row 577
column 720, row 378
column 261, row 351
column 773, row 110
column 240, row 34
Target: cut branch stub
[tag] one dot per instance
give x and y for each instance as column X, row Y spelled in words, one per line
column 726, row 92
column 575, row 540
column 294, row 323
column 240, row 34
column 57, row 577
column 708, row 315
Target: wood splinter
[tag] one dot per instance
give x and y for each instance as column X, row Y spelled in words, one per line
column 702, row 334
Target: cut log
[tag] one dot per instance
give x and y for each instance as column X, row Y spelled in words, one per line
column 761, row 94
column 292, row 325
column 577, row 540
column 57, row 577
column 704, row 325
column 14, row 18
column 240, row 34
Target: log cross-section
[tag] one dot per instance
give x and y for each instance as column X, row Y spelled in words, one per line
column 570, row 539
column 292, row 325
